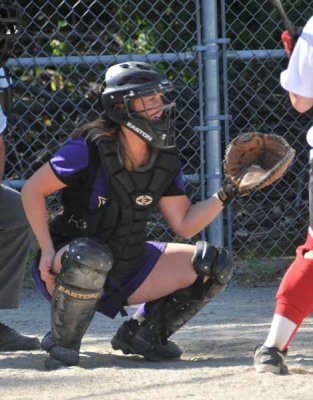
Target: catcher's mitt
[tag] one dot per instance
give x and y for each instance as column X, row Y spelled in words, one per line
column 254, row 161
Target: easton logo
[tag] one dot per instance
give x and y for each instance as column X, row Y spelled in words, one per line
column 144, row 200
column 81, row 296
column 139, row 131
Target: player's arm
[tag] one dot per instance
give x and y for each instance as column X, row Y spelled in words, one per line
column 300, row 103
column 186, row 219
column 2, row 156
column 42, row 184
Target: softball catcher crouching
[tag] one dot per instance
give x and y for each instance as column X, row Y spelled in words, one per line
column 111, row 175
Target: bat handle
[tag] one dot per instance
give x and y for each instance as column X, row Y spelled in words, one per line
column 287, row 23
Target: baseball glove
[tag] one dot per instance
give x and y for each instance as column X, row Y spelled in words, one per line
column 252, row 162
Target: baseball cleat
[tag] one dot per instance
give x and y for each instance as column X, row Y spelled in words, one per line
column 133, row 338
column 10, row 340
column 269, row 359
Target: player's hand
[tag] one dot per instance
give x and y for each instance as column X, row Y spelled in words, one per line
column 227, row 192
column 288, row 42
column 45, row 268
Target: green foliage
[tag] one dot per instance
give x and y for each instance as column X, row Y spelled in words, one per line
column 58, row 47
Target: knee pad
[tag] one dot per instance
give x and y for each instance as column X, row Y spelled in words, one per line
column 85, row 265
column 212, row 261
column 79, row 286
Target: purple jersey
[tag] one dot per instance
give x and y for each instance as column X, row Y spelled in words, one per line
column 71, row 162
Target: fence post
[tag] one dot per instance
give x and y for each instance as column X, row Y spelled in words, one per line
column 212, row 111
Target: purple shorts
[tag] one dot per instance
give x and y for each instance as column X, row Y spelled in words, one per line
column 110, row 304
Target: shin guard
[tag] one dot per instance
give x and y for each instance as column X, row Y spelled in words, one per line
column 168, row 314
column 79, row 286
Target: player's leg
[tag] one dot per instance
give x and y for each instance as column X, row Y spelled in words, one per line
column 294, row 302
column 79, row 286
column 150, row 290
column 15, row 240
column 183, row 281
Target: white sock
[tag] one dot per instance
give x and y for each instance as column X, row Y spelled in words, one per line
column 280, row 332
column 139, row 315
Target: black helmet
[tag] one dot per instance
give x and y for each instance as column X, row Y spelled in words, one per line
column 10, row 22
column 127, row 81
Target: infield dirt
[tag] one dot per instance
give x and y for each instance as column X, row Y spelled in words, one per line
column 217, row 362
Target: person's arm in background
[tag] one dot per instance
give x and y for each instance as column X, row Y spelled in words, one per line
column 3, row 121
column 2, row 156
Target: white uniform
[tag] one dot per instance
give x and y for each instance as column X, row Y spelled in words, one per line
column 298, row 77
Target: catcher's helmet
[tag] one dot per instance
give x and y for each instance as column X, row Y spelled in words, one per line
column 127, row 81
column 10, row 22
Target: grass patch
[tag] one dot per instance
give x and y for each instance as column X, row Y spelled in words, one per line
column 257, row 272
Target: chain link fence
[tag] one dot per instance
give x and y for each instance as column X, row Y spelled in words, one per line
column 61, row 57
column 270, row 224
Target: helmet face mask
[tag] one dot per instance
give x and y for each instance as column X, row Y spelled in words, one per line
column 129, row 81
column 10, row 22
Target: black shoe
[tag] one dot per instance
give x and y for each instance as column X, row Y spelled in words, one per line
column 61, row 357
column 10, row 340
column 133, row 338
column 269, row 359
column 52, row 363
column 47, row 343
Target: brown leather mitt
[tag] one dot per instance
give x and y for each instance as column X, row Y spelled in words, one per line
column 252, row 162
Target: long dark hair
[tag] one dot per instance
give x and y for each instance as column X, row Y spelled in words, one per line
column 98, row 128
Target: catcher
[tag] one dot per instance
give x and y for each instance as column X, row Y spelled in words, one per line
column 15, row 232
column 95, row 257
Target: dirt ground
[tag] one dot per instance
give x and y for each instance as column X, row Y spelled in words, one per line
column 218, row 349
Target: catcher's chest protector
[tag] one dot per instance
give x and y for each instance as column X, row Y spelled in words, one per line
column 131, row 195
